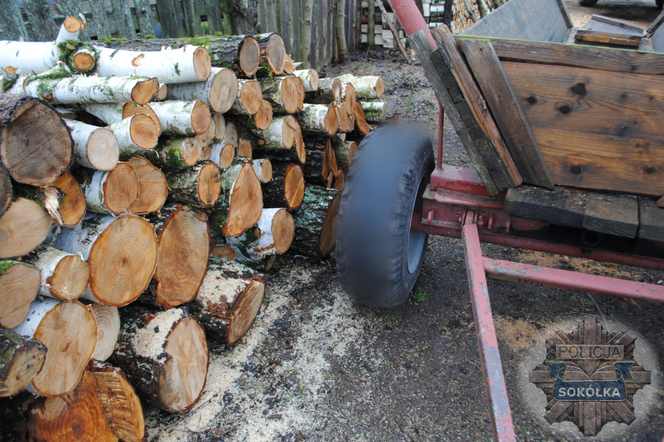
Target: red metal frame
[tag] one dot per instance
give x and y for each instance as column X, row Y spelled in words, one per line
column 456, row 204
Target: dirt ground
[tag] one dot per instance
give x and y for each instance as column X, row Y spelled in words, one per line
column 318, row 367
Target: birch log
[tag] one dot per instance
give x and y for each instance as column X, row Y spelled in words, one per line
column 316, row 222
column 283, row 93
column 175, row 154
column 135, row 134
column 199, row 186
column 309, row 79
column 272, row 234
column 19, row 286
column 249, row 98
column 263, row 118
column 222, row 154
column 329, row 91
column 26, row 121
column 344, row 151
column 286, row 187
column 360, row 120
column 263, row 169
column 241, row 202
column 37, row 57
column 108, row 329
column 20, row 361
column 228, row 301
column 283, row 133
column 94, row 147
column 68, row 330
column 63, row 200
column 121, row 253
column 374, row 111
column 183, row 65
column 219, row 125
column 273, row 51
column 23, row 227
column 319, row 119
column 112, row 113
column 346, row 120
column 184, row 118
column 240, row 53
column 152, row 187
column 80, row 90
column 165, row 355
column 110, row 193
column 321, row 161
column 64, row 275
column 218, row 91
column 366, row 88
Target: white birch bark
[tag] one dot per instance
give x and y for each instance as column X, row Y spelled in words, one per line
column 108, row 113
column 374, row 111
column 273, row 135
column 48, row 261
column 365, row 87
column 222, row 154
column 238, row 106
column 258, row 168
column 126, row 144
column 312, row 118
column 94, row 147
column 184, row 65
column 218, row 91
column 253, row 246
column 78, row 239
column 309, row 78
column 94, row 192
column 77, row 90
column 38, row 309
column 176, row 117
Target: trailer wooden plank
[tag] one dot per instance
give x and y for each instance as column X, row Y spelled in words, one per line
column 507, row 112
column 606, row 59
column 494, row 144
column 607, row 38
column 422, row 48
column 612, row 214
column 651, row 224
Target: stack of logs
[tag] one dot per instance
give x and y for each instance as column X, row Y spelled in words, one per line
column 167, row 181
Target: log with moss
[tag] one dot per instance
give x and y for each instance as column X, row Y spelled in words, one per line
column 176, row 154
column 316, row 222
column 228, row 301
column 240, row 53
column 374, row 111
column 21, row 359
column 164, row 355
column 344, row 151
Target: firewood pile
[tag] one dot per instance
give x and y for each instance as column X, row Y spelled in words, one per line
column 143, row 188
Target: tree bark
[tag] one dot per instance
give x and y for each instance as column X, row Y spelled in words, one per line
column 374, row 111
column 283, row 133
column 366, row 88
column 68, row 330
column 112, row 113
column 94, row 147
column 63, row 200
column 273, row 51
column 344, row 151
column 175, row 155
column 152, row 187
column 184, row 65
column 109, row 193
column 20, row 361
column 19, row 286
column 263, row 169
column 341, row 31
column 321, row 161
column 198, row 186
column 108, row 329
column 240, row 53
column 183, row 118
column 165, row 355
column 26, row 121
column 6, row 191
column 22, row 228
column 121, row 253
column 316, row 222
column 286, row 188
column 283, row 93
column 241, row 202
column 218, row 91
column 220, row 124
column 64, row 275
column 309, row 79
column 329, row 92
column 228, row 300
column 319, row 119
column 184, row 249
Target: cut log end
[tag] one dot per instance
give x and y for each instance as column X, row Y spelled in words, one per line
column 337, row 88
column 143, row 131
column 35, row 124
column 186, row 370
column 223, row 91
column 380, row 87
column 121, row 187
column 72, row 206
column 266, row 171
column 152, row 186
column 349, row 98
column 294, row 186
column 289, row 68
column 283, row 228
column 103, row 149
column 290, row 94
column 23, row 227
column 69, row 332
column 263, row 117
column 144, row 91
column 244, row 148
column 200, row 117
column 223, row 251
column 108, row 329
column 250, row 56
column 246, row 202
column 70, row 278
column 251, row 96
column 245, row 312
column 162, row 93
column 202, row 64
column 19, row 285
column 331, row 121
column 275, row 53
column 209, row 184
column 328, row 235
column 72, row 24
column 130, row 109
column 227, row 155
column 6, row 191
column 83, row 60
column 122, row 261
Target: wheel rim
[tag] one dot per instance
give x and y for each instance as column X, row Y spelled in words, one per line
column 416, row 240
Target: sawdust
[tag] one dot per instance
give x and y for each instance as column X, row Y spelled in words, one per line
column 150, row 340
column 216, row 287
column 577, row 264
column 518, row 334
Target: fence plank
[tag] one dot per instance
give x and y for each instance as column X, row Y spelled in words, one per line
column 42, row 25
column 296, row 8
column 285, row 24
column 124, row 22
column 214, row 16
column 192, row 18
column 170, row 17
column 12, row 26
column 145, row 18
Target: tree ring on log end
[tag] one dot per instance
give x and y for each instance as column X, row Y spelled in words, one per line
column 143, row 131
column 328, row 234
column 18, row 288
column 227, row 155
column 200, row 117
column 202, row 64
column 121, row 187
column 251, row 96
column 144, row 91
column 380, row 87
column 70, row 278
column 223, row 91
column 209, row 184
column 275, row 52
column 283, row 228
column 266, row 171
column 246, row 203
column 245, row 311
column 250, row 56
column 23, row 227
column 290, row 95
column 72, row 206
column 263, row 117
column 294, row 186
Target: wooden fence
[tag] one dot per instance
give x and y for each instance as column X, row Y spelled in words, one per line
column 308, row 27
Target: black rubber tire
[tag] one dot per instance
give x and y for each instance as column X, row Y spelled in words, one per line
column 659, row 3
column 590, row 2
column 385, row 183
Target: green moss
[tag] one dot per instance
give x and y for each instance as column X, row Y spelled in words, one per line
column 56, row 73
column 114, row 52
column 112, row 40
column 8, row 84
column 219, row 34
column 69, row 48
column 177, row 68
column 197, row 41
column 5, row 265
column 149, row 36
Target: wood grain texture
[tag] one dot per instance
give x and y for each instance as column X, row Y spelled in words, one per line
column 494, row 143
column 612, row 214
column 608, row 38
column 651, row 220
column 506, row 110
column 596, row 129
